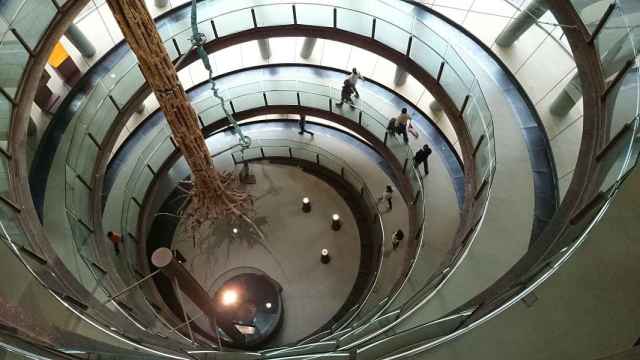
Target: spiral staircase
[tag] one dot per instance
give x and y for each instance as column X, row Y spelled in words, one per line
column 516, row 244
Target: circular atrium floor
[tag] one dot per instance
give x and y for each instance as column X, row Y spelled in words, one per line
column 290, row 251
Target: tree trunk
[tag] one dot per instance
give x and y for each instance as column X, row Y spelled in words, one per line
column 214, row 194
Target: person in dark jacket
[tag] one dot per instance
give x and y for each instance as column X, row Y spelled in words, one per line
column 302, row 124
column 422, row 156
column 397, row 237
column 346, row 93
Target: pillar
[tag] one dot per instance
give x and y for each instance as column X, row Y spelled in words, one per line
column 435, row 106
column 567, row 99
column 525, row 19
column 80, row 41
column 161, row 3
column 164, row 260
column 140, row 108
column 265, row 49
column 612, row 62
column 400, row 77
column 307, row 47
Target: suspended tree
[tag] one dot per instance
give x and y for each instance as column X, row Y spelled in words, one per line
column 214, row 194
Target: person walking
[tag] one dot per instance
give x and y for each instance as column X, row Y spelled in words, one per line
column 397, row 237
column 345, row 94
column 116, row 239
column 353, row 79
column 386, row 196
column 422, row 156
column 402, row 122
column 302, row 123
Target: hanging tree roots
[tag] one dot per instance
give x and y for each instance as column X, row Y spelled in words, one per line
column 226, row 201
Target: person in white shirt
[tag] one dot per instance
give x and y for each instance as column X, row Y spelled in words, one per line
column 353, row 79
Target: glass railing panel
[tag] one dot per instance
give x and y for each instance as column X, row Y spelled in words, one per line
column 320, row 347
column 347, row 111
column 250, row 154
column 274, row 15
column 590, row 11
column 331, row 165
column 14, row 59
column 161, row 154
column 392, row 36
column 11, row 230
column 369, row 328
column 234, row 22
column 426, row 57
column 352, row 178
column 33, row 19
column 473, row 119
column 249, row 101
column 577, row 227
column 5, row 121
column 315, row 15
column 281, row 97
column 142, row 183
column 127, row 86
column 171, row 50
column 304, row 154
column 482, row 160
column 205, row 103
column 252, row 87
column 397, row 13
column 10, row 9
column 4, row 177
column 623, row 101
column 314, row 101
column 355, row 22
column 615, row 42
column 133, row 210
column 399, row 149
column 284, row 85
column 183, row 38
column 615, row 158
column 410, row 337
column 313, row 88
column 98, row 94
column 124, row 65
column 372, row 125
column 86, row 159
column 78, row 259
column 454, row 85
column 77, row 196
column 104, row 117
column 454, row 60
column 276, row 151
column 425, row 35
column 212, row 114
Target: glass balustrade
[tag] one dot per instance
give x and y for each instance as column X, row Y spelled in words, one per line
column 388, row 24
column 311, row 95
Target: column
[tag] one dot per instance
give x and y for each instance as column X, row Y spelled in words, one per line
column 435, row 106
column 307, row 47
column 161, row 3
column 140, row 108
column 400, row 77
column 80, row 41
column 265, row 48
column 567, row 99
column 523, row 21
column 164, row 260
column 612, row 62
